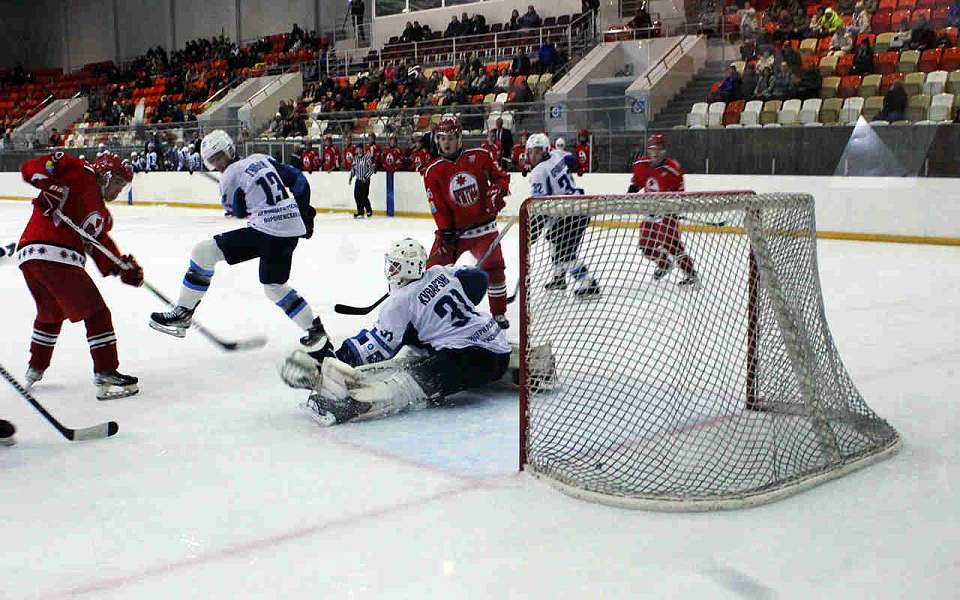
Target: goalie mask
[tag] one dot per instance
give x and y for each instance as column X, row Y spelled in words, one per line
column 404, row 262
column 213, row 144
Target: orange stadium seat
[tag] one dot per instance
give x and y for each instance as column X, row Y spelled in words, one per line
column 922, row 12
column 848, row 86
column 880, row 23
column 911, row 4
column 938, row 16
column 887, row 81
column 732, row 113
column 845, row 64
column 886, row 62
column 887, row 5
column 898, row 16
column 951, row 59
column 930, row 60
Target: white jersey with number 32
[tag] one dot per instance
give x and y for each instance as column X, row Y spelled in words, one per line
column 552, row 176
column 271, row 208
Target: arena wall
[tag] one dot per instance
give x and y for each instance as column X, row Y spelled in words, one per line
column 914, row 210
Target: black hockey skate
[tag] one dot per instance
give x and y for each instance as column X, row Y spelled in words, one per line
column 175, row 322
column 327, row 411
column 316, row 334
column 691, row 281
column 113, row 384
column 592, row 288
column 502, row 321
column 6, row 433
column 558, row 283
column 661, row 272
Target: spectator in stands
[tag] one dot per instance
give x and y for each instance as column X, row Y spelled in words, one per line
column 830, row 22
column 548, row 59
column 641, row 20
column 749, row 79
column 846, row 7
column 530, row 19
column 842, row 40
column 814, row 28
column 729, row 89
column 589, row 5
column 792, row 58
column 480, row 26
column 520, row 65
column 894, row 104
column 782, row 87
column 862, row 18
column 514, row 23
column 922, row 37
column 522, row 94
column 902, row 37
column 357, row 10
column 54, row 140
column 863, row 59
column 953, row 16
column 454, row 28
column 409, row 34
column 810, row 83
column 748, row 23
column 767, row 61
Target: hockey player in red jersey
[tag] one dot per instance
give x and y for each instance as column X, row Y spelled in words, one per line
column 492, row 145
column 465, row 189
column 392, row 156
column 583, row 152
column 331, row 155
column 660, row 237
column 350, row 151
column 376, row 152
column 519, row 155
column 52, row 258
column 311, row 160
column 419, row 156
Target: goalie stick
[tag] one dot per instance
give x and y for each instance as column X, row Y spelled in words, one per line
column 344, row 309
column 102, row 430
column 227, row 345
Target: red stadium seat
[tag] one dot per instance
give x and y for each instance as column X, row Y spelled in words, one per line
column 823, row 45
column 880, row 23
column 949, row 34
column 849, row 86
column 928, row 3
column 899, row 16
column 886, row 62
column 925, row 12
column 938, row 16
column 951, row 59
column 887, row 5
column 911, row 4
column 867, row 36
column 732, row 113
column 930, row 60
column 887, row 81
column 844, row 65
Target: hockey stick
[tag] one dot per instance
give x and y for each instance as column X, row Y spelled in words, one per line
column 702, row 222
column 229, row 346
column 344, row 309
column 102, row 430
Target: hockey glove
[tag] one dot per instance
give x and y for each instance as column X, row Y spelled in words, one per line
column 495, row 200
column 52, row 198
column 133, row 274
column 448, row 243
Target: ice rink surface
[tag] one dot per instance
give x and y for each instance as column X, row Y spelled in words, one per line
column 219, row 486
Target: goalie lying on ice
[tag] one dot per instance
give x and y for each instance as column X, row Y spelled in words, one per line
column 433, row 310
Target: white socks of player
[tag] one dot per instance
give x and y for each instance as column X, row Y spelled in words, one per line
column 291, row 303
column 196, row 282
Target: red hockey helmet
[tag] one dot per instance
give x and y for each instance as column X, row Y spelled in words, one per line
column 657, row 147
column 449, row 125
column 448, row 135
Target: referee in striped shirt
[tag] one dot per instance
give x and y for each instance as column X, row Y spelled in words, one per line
column 363, row 169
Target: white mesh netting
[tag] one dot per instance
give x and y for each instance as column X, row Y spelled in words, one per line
column 721, row 394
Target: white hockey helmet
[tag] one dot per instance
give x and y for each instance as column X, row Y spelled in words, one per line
column 404, row 262
column 561, row 144
column 538, row 140
column 215, row 142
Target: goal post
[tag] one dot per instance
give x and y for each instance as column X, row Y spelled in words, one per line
column 723, row 394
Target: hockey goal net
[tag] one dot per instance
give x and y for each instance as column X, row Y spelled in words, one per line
column 724, row 394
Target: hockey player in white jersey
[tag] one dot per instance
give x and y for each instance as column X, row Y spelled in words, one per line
column 183, row 157
column 275, row 199
column 151, row 160
column 551, row 175
column 433, row 310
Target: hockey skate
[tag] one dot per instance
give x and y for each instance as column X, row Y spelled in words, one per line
column 691, row 281
column 7, row 251
column 6, row 433
column 502, row 321
column 662, row 271
column 113, row 384
column 316, row 334
column 558, row 283
column 328, row 411
column 32, row 376
column 175, row 322
column 589, row 289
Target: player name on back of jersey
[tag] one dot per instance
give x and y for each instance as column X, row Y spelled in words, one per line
column 433, row 288
column 279, row 213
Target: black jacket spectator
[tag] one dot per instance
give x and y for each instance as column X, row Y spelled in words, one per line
column 588, row 5
column 504, row 137
column 530, row 20
column 520, row 65
column 454, row 28
column 922, row 37
column 863, row 59
column 730, row 88
column 514, row 23
column 894, row 104
column 810, row 82
column 748, row 81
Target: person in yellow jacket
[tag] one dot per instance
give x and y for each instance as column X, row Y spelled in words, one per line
column 830, row 22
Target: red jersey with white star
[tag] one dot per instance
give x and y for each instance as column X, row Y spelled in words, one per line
column 419, row 159
column 651, row 178
column 458, row 190
column 84, row 206
column 519, row 156
column 311, row 161
column 330, row 159
column 582, row 154
column 349, row 153
column 392, row 159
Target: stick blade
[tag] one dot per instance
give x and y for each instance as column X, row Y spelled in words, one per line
column 250, row 344
column 343, row 309
column 103, row 430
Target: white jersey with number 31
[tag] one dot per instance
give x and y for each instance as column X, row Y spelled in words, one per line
column 271, row 208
